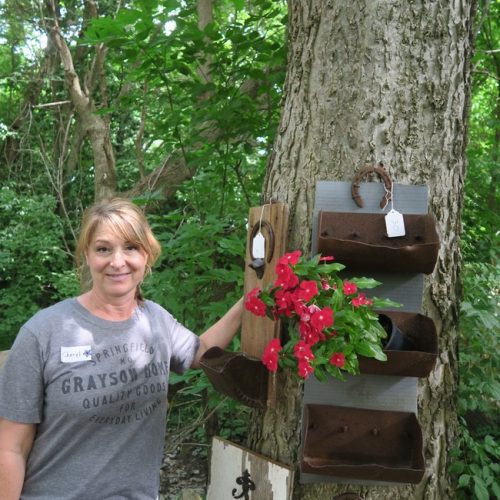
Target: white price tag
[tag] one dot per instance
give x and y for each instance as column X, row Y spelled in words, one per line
column 259, row 246
column 394, row 224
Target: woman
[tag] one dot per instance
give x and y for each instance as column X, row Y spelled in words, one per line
column 83, row 393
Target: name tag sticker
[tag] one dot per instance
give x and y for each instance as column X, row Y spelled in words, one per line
column 77, row 353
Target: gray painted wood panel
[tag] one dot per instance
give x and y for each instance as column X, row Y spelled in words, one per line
column 377, row 392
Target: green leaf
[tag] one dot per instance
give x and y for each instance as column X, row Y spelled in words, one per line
column 366, row 349
column 330, row 268
column 365, row 282
column 379, row 303
column 496, row 489
column 480, row 489
column 463, row 480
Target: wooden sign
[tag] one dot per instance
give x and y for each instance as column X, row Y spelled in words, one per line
column 236, row 472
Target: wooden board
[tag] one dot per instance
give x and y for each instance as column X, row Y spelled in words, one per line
column 373, row 392
column 270, row 480
column 257, row 331
column 3, row 357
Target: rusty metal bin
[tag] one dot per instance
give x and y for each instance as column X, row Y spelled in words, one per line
column 418, row 362
column 360, row 242
column 362, row 444
column 237, row 375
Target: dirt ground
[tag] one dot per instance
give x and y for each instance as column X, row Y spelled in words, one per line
column 184, row 470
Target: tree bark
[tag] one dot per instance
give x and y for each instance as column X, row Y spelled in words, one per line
column 378, row 80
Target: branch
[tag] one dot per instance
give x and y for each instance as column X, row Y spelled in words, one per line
column 166, row 178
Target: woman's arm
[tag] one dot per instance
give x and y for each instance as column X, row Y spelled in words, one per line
column 221, row 333
column 16, row 441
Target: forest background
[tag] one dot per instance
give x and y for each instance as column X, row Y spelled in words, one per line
column 189, row 96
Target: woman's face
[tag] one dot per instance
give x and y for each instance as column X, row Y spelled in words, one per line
column 117, row 266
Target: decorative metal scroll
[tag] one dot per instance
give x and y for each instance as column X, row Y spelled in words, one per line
column 246, row 485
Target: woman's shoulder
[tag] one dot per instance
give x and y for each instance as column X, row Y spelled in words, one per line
column 56, row 311
column 153, row 309
column 150, row 307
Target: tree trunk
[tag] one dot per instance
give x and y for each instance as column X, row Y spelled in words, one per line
column 96, row 127
column 378, row 80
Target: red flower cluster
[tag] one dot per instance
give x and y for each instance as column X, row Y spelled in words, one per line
column 271, row 355
column 329, row 321
column 292, row 298
column 254, row 304
column 361, row 300
column 312, row 299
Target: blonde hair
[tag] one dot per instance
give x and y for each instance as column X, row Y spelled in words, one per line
column 125, row 220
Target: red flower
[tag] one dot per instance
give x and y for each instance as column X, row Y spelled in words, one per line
column 327, row 258
column 325, row 285
column 287, row 279
column 338, row 359
column 254, row 304
column 302, row 350
column 291, row 258
column 271, row 355
column 304, row 329
column 305, row 368
column 322, row 319
column 307, row 290
column 349, row 288
column 361, row 300
column 301, row 310
column 313, row 337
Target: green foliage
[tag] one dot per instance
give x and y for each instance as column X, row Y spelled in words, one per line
column 481, row 210
column 476, row 463
column 479, row 339
column 216, row 91
column 199, row 274
column 476, row 456
column 32, row 262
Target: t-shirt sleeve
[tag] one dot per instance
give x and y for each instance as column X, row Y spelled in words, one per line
column 184, row 347
column 21, row 381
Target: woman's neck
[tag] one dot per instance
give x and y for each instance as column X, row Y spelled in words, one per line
column 112, row 309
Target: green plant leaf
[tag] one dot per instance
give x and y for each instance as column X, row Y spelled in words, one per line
column 365, row 282
column 480, row 489
column 463, row 480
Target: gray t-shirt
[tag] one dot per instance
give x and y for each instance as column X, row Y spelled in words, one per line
column 98, row 391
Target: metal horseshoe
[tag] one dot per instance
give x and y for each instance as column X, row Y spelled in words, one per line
column 378, row 169
column 258, row 264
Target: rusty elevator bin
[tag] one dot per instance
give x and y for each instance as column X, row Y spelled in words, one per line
column 362, row 444
column 360, row 242
column 237, row 375
column 419, row 361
